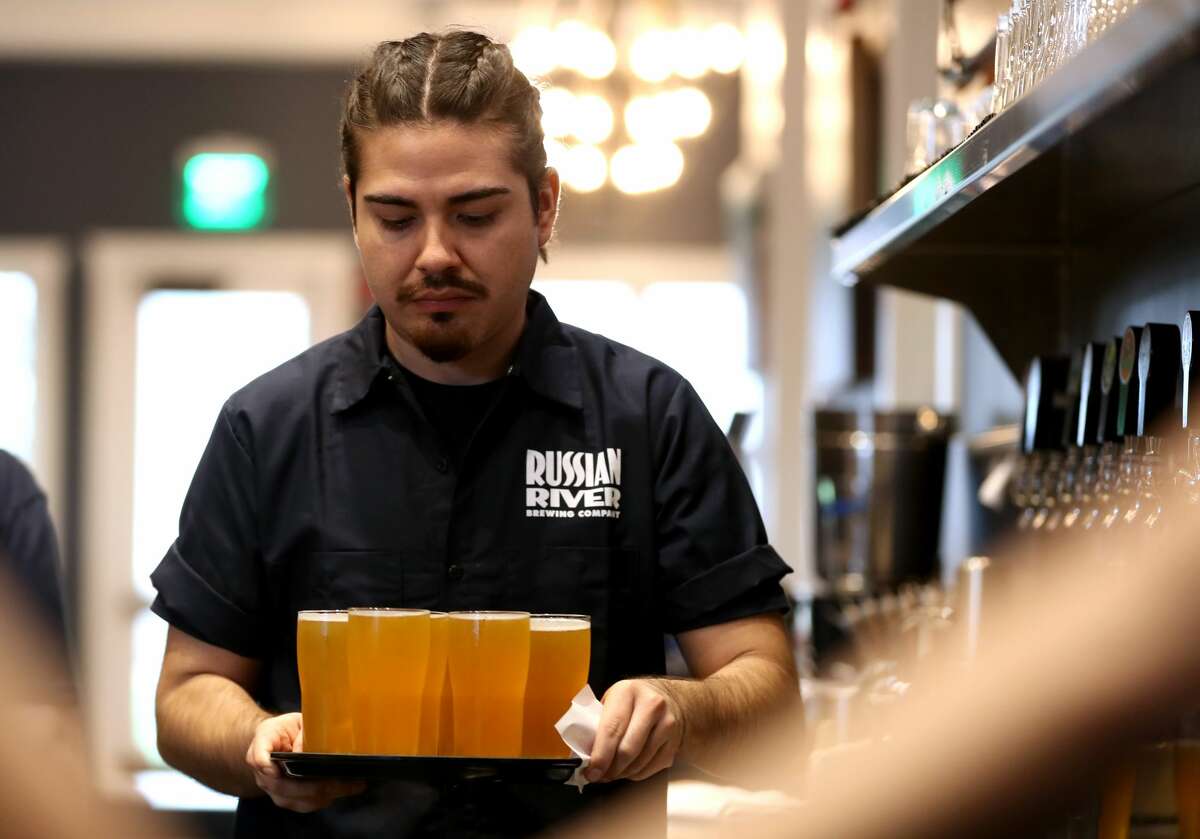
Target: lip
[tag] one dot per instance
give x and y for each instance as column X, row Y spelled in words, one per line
column 441, row 303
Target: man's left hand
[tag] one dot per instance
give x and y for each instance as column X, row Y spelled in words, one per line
column 640, row 732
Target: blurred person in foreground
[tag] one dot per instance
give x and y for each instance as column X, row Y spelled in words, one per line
column 46, row 787
column 28, row 541
column 430, row 457
column 1081, row 658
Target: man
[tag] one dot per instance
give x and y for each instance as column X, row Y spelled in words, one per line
column 462, row 449
column 29, row 550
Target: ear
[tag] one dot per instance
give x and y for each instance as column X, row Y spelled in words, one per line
column 548, row 194
column 348, row 192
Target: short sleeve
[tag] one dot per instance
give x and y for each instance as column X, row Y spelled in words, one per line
column 210, row 580
column 714, row 562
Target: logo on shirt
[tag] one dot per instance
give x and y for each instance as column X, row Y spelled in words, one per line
column 569, row 485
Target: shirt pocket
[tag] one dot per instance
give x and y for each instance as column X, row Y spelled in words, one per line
column 584, row 580
column 345, row 579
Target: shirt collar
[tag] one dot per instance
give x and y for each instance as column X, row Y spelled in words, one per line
column 359, row 361
column 546, row 359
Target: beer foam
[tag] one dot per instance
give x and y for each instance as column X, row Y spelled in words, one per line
column 490, row 616
column 325, row 617
column 558, row 624
column 383, row 612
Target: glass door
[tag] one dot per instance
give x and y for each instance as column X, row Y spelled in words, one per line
column 175, row 325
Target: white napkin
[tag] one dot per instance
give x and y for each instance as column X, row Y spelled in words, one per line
column 578, row 728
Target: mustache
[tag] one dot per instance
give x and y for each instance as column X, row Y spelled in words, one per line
column 442, row 282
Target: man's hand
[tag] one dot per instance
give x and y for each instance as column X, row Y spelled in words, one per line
column 285, row 734
column 743, row 673
column 640, row 732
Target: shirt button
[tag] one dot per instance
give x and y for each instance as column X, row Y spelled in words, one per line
column 442, row 464
column 455, row 572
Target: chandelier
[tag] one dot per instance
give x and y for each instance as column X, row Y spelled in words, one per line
column 620, row 102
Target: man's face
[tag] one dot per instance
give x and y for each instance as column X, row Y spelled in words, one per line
column 447, row 234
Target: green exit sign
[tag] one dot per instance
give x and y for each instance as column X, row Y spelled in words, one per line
column 225, row 191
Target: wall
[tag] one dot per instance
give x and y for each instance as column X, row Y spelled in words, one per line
column 96, row 145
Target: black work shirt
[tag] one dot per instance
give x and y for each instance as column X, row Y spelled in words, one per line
column 595, row 483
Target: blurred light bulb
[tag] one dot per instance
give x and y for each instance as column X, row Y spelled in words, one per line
column 689, row 53
column 819, row 54
column 645, row 120
column 558, row 111
column 766, row 51
column 766, row 117
column 584, row 168
column 650, row 55
column 585, row 49
column 593, row 119
column 725, row 46
column 690, row 111
column 534, row 51
column 556, row 154
column 646, row 167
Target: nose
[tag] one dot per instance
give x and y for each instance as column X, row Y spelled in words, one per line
column 438, row 255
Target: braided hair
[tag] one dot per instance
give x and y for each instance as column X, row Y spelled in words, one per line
column 456, row 75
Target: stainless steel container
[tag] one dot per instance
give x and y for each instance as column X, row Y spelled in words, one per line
column 879, row 482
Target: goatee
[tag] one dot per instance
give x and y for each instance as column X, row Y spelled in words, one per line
column 442, row 342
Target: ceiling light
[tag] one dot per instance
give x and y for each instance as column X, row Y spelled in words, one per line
column 689, row 110
column 558, row 111
column 689, row 53
column 585, row 49
column 646, row 167
column 650, row 56
column 533, row 51
column 592, row 121
column 726, row 47
column 585, row 168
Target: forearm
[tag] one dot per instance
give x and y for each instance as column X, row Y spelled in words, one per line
column 205, row 725
column 727, row 709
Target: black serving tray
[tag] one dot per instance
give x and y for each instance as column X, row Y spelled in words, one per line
column 430, row 770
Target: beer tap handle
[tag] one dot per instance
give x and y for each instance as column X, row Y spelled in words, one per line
column 1159, row 362
column 1106, row 421
column 1087, row 428
column 1128, row 394
column 1045, row 408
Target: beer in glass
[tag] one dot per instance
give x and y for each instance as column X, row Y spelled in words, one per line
column 1187, row 788
column 445, row 744
column 1116, row 803
column 388, row 652
column 489, row 663
column 560, row 648
column 324, row 683
column 435, row 679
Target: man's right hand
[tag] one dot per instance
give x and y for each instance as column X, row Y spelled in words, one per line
column 285, row 733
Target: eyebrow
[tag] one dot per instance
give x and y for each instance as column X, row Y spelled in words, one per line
column 461, row 198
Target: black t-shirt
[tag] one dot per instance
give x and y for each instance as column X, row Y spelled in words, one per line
column 30, row 562
column 456, row 411
column 596, row 484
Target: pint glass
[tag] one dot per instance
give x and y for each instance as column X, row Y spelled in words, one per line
column 489, row 663
column 445, row 744
column 435, row 679
column 324, row 689
column 1187, row 788
column 1116, row 804
column 388, row 651
column 560, row 648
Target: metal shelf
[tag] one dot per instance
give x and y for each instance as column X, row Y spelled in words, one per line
column 1125, row 60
